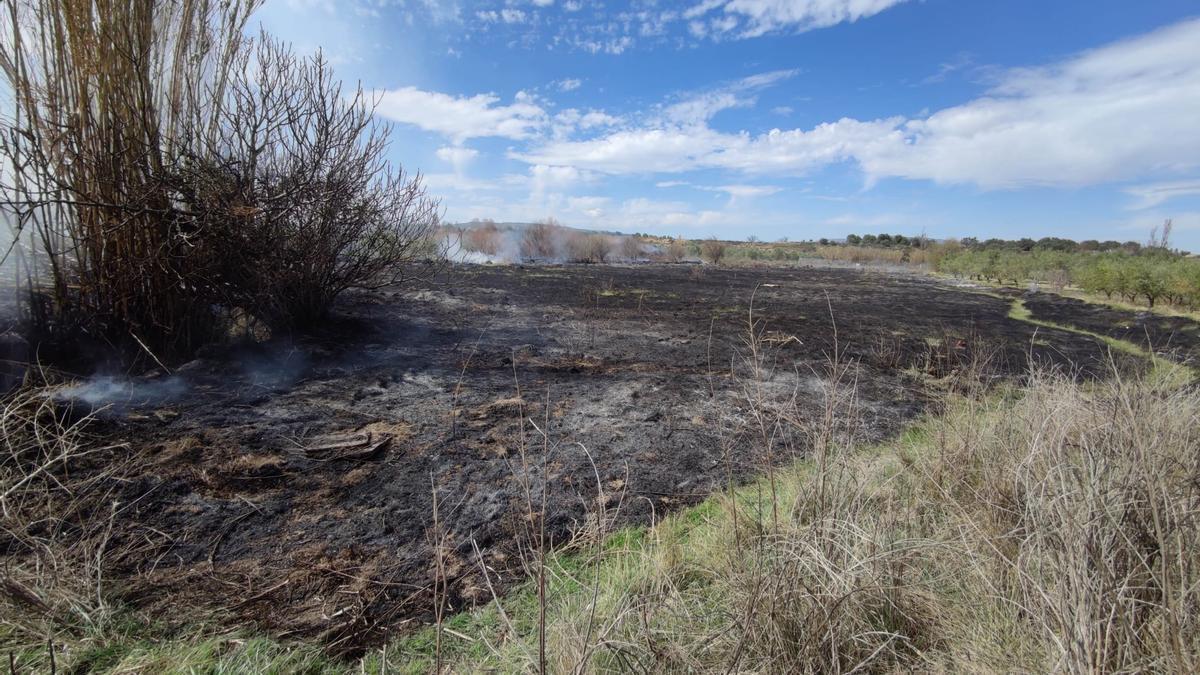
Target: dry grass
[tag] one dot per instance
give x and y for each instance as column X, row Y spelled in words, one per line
column 54, row 540
column 1078, row 506
column 1050, row 526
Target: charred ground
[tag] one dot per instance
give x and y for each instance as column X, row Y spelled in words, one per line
column 291, row 483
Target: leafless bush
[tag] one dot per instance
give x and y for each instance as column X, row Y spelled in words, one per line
column 592, row 248
column 676, row 250
column 712, row 251
column 164, row 166
column 484, row 238
column 631, row 248
column 541, row 240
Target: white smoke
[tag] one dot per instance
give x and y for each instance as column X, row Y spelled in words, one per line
column 488, row 243
column 106, row 390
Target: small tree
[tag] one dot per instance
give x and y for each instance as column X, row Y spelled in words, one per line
column 712, row 251
column 631, row 248
column 589, row 248
column 676, row 251
column 164, row 166
column 541, row 240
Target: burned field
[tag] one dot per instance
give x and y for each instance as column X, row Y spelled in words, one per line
column 293, row 483
column 1176, row 336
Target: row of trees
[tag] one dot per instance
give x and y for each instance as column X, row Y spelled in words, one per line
column 1050, row 244
column 162, row 171
column 1153, row 275
column 882, row 240
column 1025, row 244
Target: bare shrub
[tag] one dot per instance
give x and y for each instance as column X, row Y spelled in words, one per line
column 484, row 238
column 332, row 212
column 712, row 251
column 590, row 248
column 676, row 251
column 631, row 248
column 541, row 240
column 164, row 166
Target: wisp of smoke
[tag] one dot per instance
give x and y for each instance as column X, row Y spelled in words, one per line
column 106, row 390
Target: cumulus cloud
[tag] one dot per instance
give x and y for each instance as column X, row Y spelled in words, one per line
column 1117, row 113
column 462, row 117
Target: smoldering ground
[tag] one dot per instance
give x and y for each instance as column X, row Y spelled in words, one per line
column 298, row 492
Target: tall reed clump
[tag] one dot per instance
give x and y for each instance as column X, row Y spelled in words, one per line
column 165, row 170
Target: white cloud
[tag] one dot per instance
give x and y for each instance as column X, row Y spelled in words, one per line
column 699, row 108
column 702, row 108
column 747, row 191
column 458, row 157
column 679, row 149
column 1143, row 223
column 462, row 118
column 1117, row 113
column 1154, row 194
column 614, row 46
column 509, row 15
column 571, row 120
column 569, row 84
column 735, row 191
column 545, row 179
column 758, row 17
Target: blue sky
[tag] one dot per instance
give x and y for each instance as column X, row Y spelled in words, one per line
column 785, row 118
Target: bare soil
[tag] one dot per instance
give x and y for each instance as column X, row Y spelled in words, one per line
column 290, row 483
